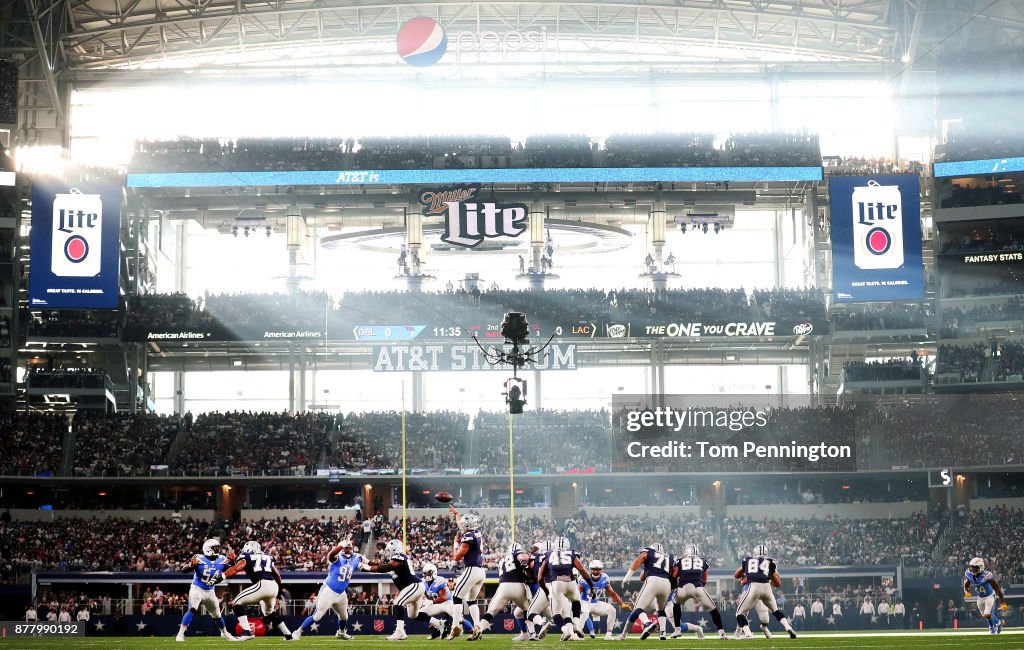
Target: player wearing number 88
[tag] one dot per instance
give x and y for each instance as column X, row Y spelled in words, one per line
column 655, row 591
column 690, row 574
column 761, row 573
column 342, row 562
column 208, row 570
column 266, row 584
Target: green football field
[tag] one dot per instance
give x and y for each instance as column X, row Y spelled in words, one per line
column 974, row 639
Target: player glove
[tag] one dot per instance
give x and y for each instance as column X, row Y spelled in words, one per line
column 626, row 606
column 1004, row 607
column 967, row 594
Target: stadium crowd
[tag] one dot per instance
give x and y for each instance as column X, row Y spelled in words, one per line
column 958, row 322
column 834, row 541
column 881, row 317
column 967, row 361
column 31, row 443
column 74, row 324
column 997, row 534
column 252, row 443
column 549, row 441
column 907, row 369
column 122, row 444
column 368, row 441
column 455, row 152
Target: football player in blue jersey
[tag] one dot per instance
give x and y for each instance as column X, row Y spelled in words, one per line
column 593, row 600
column 690, row 573
column 265, row 585
column 654, row 593
column 761, row 574
column 208, row 570
column 513, row 578
column 983, row 585
column 439, row 595
column 467, row 549
column 342, row 562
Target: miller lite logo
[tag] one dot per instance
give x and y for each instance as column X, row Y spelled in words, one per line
column 469, row 222
column 877, row 226
column 77, row 235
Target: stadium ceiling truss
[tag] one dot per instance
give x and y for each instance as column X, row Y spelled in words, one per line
column 79, row 35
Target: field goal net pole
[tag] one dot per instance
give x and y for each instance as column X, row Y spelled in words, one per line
column 511, row 483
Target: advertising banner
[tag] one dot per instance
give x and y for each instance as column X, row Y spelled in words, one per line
column 876, row 238
column 432, row 358
column 75, row 246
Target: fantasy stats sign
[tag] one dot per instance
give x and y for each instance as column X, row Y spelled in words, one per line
column 876, row 238
column 468, row 221
column 74, row 246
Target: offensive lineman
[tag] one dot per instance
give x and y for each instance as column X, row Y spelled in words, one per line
column 410, row 587
column 342, row 561
column 540, row 603
column 761, row 573
column 266, row 584
column 656, row 588
column 690, row 572
column 468, row 549
column 208, row 570
column 985, row 587
column 593, row 603
column 513, row 578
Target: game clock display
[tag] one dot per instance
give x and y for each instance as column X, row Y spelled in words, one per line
column 28, row 629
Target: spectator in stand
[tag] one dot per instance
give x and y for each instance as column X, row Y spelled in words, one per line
column 31, row 443
column 121, row 445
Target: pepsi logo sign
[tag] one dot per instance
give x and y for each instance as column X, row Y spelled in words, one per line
column 421, row 42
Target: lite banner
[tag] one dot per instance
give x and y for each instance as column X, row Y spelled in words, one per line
column 75, row 246
column 876, row 238
column 432, row 358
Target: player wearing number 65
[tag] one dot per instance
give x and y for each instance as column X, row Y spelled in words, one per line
column 208, row 569
column 761, row 573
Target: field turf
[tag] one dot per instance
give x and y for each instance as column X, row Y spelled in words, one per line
column 973, row 639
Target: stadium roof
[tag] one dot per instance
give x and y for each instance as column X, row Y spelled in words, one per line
column 594, row 36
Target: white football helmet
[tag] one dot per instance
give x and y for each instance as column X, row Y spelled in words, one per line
column 562, row 544
column 211, row 547
column 760, row 551
column 976, row 565
column 251, row 546
column 469, row 522
column 515, row 549
column 394, row 547
column 658, row 548
column 692, row 550
column 347, row 548
column 596, row 566
column 542, row 546
column 429, row 571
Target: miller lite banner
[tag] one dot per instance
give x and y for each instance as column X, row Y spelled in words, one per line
column 74, row 246
column 876, row 238
column 467, row 220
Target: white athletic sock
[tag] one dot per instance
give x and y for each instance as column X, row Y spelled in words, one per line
column 474, row 614
column 243, row 620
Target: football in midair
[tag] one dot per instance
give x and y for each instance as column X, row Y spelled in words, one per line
column 443, row 497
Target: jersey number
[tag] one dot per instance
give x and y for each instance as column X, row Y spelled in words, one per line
column 344, row 573
column 691, row 564
column 561, row 558
column 209, row 575
column 262, row 563
column 661, row 562
column 753, row 566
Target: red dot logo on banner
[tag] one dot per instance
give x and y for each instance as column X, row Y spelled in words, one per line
column 879, row 241
column 76, row 248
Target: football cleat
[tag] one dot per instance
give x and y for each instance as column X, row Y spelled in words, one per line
column 663, row 637
column 344, row 636
column 522, row 636
column 792, row 634
column 180, row 638
column 543, row 630
column 476, row 633
column 398, row 635
column 455, row 631
column 246, row 635
column 677, row 634
column 700, row 634
column 648, row 629
column 608, row 636
column 767, row 633
column 722, row 635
